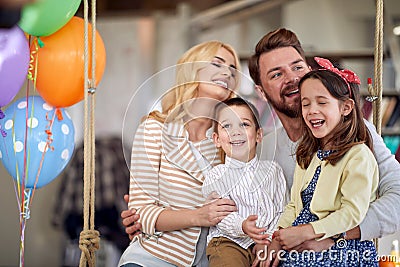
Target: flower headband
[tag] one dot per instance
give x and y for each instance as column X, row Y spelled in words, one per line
column 347, row 75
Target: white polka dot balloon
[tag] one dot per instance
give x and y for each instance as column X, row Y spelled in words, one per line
column 48, row 146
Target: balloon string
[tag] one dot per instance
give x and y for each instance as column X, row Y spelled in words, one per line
column 22, row 247
column 48, row 130
column 34, row 58
column 3, row 133
column 24, row 215
column 27, row 154
column 16, row 164
column 48, row 145
column 24, row 177
column 32, row 61
column 59, row 114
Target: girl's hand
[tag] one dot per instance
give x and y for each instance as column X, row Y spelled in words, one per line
column 293, row 236
column 214, row 211
column 257, row 234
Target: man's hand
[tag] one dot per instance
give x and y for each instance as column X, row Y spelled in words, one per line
column 314, row 245
column 354, row 233
column 129, row 220
column 267, row 255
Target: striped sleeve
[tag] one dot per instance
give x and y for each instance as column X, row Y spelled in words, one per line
column 214, row 182
column 289, row 212
column 144, row 170
column 231, row 225
column 280, row 196
column 208, row 185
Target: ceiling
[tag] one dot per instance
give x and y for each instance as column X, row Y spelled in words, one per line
column 148, row 7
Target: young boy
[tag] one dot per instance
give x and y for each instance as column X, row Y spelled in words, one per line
column 257, row 187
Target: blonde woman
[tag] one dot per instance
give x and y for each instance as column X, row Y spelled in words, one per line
column 172, row 150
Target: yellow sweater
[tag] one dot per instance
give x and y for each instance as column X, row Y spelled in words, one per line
column 342, row 194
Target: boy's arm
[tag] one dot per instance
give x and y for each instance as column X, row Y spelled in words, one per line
column 280, row 198
column 232, row 225
column 212, row 184
column 289, row 212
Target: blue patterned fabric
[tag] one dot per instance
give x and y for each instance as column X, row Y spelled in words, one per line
column 345, row 253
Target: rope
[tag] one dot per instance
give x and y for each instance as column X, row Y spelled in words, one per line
column 89, row 238
column 378, row 59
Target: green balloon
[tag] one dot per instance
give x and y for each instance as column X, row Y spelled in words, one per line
column 45, row 17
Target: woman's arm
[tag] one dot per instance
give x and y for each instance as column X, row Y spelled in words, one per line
column 208, row 215
column 145, row 165
column 144, row 194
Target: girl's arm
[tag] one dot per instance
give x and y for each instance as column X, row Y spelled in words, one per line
column 358, row 184
column 358, row 188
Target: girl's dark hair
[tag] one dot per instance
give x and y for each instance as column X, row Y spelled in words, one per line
column 350, row 132
column 236, row 101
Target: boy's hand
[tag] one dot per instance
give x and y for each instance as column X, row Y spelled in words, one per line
column 258, row 235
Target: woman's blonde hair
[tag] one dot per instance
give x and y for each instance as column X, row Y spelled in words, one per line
column 174, row 101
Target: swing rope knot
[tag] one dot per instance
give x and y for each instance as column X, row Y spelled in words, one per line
column 89, row 242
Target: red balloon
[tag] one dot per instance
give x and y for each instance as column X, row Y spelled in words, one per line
column 60, row 64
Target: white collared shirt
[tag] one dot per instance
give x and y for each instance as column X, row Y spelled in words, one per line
column 257, row 187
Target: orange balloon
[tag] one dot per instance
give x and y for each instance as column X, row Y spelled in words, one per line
column 386, row 264
column 60, row 64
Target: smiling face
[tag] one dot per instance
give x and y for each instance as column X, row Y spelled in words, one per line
column 237, row 132
column 280, row 72
column 321, row 111
column 218, row 77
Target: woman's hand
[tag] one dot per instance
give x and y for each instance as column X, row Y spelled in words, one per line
column 129, row 220
column 214, row 211
column 257, row 234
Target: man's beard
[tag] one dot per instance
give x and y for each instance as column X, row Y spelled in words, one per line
column 281, row 106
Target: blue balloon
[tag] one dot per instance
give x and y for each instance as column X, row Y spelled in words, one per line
column 49, row 142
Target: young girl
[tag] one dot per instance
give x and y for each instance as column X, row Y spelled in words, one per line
column 336, row 176
column 257, row 187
